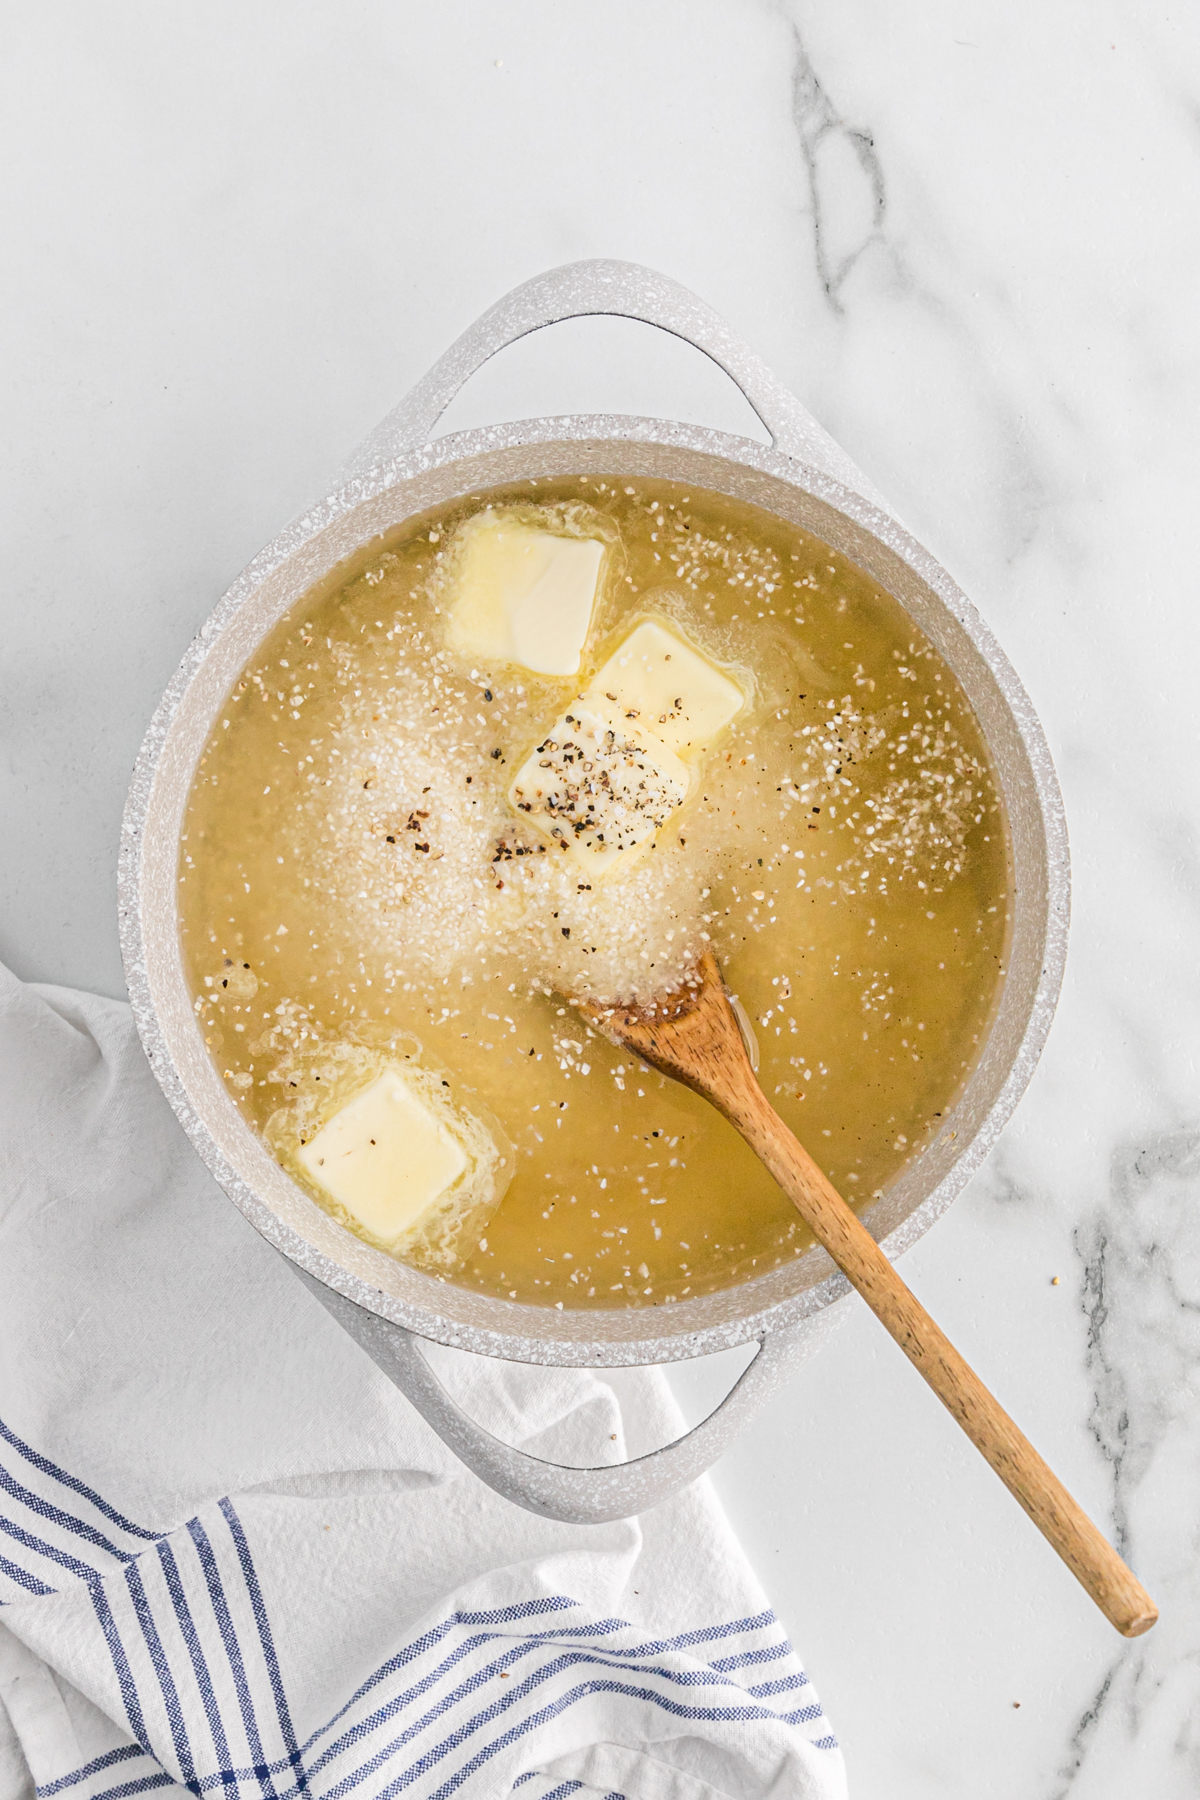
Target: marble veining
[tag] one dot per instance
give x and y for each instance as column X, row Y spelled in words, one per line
column 845, row 178
column 1139, row 1258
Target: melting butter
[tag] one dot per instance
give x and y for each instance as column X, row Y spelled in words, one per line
column 386, row 1157
column 666, row 686
column 524, row 596
column 622, row 759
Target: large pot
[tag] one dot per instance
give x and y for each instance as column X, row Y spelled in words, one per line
column 401, row 470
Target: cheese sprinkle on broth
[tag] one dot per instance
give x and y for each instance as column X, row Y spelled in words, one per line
column 558, row 739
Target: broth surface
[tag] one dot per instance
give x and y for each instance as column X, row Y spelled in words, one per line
column 355, row 884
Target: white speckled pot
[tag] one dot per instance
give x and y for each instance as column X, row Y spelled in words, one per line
column 400, row 470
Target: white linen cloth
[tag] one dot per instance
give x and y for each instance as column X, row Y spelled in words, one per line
column 234, row 1560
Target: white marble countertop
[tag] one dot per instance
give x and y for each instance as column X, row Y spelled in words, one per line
column 966, row 236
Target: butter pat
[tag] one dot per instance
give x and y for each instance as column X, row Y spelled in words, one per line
column 386, row 1157
column 665, row 686
column 524, row 596
column 611, row 771
column 597, row 785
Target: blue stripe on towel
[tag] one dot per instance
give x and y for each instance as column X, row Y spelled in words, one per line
column 23, row 1578
column 564, row 1788
column 520, row 1691
column 566, row 1658
column 137, row 1784
column 54, row 1515
column 525, row 1609
column 748, row 1658
column 62, row 1557
column 142, row 1786
column 608, row 1659
column 259, row 1609
column 43, row 1464
column 94, row 1767
column 400, row 1702
column 631, row 1670
column 705, row 1676
column 559, row 1793
column 125, row 1681
column 166, row 1680
column 233, row 1651
column 686, row 1640
column 195, row 1650
column 551, row 1711
column 763, row 1690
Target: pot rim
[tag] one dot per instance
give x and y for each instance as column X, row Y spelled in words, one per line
column 699, row 1326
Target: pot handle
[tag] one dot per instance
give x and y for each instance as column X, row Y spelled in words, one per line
column 574, row 1496
column 626, row 290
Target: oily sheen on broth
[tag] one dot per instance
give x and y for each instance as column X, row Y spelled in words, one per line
column 363, row 901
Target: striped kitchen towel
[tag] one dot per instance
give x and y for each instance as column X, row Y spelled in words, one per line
column 235, row 1562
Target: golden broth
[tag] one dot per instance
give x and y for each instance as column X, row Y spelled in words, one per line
column 351, row 877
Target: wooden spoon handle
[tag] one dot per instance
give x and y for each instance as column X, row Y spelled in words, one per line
column 1060, row 1519
column 693, row 1036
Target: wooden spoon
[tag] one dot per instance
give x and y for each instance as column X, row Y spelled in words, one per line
column 693, row 1036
